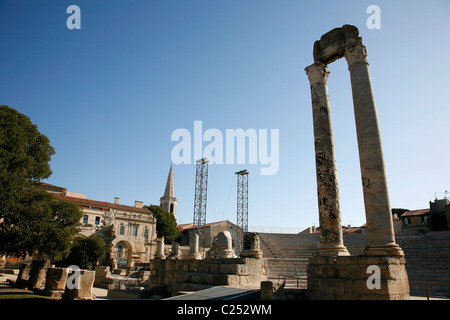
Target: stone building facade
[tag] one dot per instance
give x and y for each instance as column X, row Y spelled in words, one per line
column 417, row 221
column 134, row 226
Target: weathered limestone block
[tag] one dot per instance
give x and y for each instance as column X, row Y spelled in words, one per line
column 101, row 274
column 159, row 254
column 175, row 254
column 203, row 278
column 38, row 274
column 224, row 245
column 252, row 246
column 212, row 251
column 272, row 291
column 356, row 277
column 55, row 282
column 209, row 272
column 56, row 279
column 332, row 44
column 82, row 291
column 241, row 269
column 23, row 277
column 2, row 261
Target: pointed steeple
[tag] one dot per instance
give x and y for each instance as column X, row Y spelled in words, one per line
column 169, row 192
column 168, row 201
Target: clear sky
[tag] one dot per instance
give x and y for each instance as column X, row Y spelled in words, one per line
column 110, row 94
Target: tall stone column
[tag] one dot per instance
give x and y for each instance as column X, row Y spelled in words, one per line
column 381, row 240
column 331, row 239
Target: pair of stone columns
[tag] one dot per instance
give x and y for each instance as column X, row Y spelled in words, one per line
column 381, row 239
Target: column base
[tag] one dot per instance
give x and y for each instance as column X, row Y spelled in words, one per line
column 195, row 255
column 357, row 278
column 391, row 249
column 333, row 251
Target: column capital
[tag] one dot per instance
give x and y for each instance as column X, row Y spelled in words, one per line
column 317, row 73
column 356, row 54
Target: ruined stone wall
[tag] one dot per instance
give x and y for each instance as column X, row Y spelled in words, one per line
column 213, row 272
column 347, row 278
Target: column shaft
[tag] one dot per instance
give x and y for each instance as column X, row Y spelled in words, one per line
column 331, row 239
column 381, row 239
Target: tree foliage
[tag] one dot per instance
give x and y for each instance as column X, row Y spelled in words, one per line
column 399, row 211
column 86, row 252
column 24, row 157
column 31, row 220
column 40, row 224
column 166, row 224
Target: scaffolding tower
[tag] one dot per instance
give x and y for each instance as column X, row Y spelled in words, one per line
column 242, row 208
column 201, row 184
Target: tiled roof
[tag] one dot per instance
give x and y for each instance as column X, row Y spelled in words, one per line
column 102, row 204
column 412, row 213
column 50, row 185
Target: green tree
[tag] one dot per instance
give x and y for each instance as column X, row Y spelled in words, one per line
column 31, row 220
column 86, row 252
column 40, row 224
column 24, row 157
column 166, row 224
column 399, row 211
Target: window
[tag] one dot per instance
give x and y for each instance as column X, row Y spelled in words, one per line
column 145, row 233
column 135, row 231
column 85, row 219
column 119, row 251
column 171, row 208
column 407, row 221
column 97, row 221
column 424, row 219
column 121, row 229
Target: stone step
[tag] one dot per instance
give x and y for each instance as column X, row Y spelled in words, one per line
column 287, row 267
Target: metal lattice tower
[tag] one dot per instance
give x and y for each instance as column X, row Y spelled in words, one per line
column 242, row 208
column 201, row 184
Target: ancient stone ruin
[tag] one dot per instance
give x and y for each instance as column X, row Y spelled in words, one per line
column 55, row 282
column 252, row 246
column 221, row 267
column 42, row 278
column 333, row 274
column 159, row 254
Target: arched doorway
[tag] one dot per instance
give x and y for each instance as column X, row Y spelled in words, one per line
column 122, row 254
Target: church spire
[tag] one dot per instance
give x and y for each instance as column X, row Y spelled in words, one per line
column 169, row 192
column 168, row 201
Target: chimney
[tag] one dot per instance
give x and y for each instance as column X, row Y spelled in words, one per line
column 138, row 204
column 116, row 200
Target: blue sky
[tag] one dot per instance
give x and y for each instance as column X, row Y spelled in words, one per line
column 110, row 95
